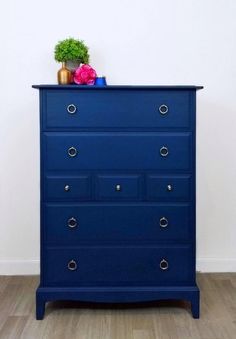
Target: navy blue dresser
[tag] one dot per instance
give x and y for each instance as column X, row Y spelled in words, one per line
column 117, row 194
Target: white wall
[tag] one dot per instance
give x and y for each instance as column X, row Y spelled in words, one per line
column 131, row 42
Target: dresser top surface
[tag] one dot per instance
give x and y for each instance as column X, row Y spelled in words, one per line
column 126, row 87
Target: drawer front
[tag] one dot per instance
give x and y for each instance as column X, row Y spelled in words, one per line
column 76, row 224
column 118, row 187
column 102, row 151
column 117, row 266
column 117, row 109
column 168, row 188
column 67, row 188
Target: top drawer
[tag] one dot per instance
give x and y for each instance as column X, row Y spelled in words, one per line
column 76, row 109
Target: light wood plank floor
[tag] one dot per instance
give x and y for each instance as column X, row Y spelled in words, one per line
column 154, row 321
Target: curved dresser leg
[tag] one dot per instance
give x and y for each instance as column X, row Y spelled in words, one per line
column 40, row 307
column 195, row 307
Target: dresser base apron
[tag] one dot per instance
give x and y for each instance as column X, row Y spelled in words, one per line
column 117, row 295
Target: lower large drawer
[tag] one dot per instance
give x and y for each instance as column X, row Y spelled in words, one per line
column 76, row 224
column 118, row 266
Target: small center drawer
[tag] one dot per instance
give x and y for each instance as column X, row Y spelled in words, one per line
column 116, row 109
column 119, row 266
column 118, row 187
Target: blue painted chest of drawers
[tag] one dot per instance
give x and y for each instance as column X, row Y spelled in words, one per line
column 117, row 194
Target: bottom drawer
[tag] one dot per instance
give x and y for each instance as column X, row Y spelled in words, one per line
column 118, row 266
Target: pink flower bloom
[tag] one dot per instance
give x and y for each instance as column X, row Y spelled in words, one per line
column 85, row 75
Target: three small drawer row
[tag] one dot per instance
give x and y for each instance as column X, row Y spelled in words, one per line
column 117, row 187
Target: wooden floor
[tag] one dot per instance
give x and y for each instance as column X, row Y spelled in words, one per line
column 83, row 321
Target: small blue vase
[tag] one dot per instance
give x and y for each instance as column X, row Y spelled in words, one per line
column 100, row 81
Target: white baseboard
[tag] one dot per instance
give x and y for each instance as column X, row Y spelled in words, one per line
column 19, row 267
column 31, row 267
column 216, row 264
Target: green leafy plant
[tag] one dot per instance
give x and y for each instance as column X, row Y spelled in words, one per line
column 71, row 49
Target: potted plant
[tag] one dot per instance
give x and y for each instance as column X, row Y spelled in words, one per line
column 70, row 52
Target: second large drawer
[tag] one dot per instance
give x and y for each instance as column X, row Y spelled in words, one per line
column 115, row 151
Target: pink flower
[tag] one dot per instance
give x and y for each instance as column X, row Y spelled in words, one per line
column 85, row 75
